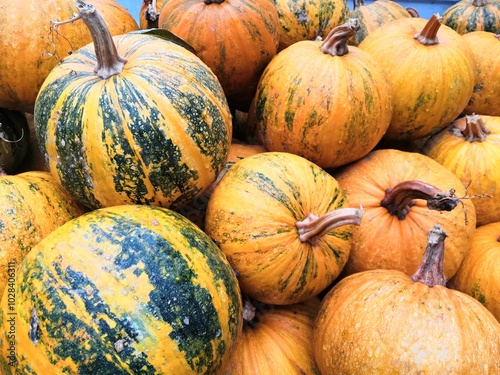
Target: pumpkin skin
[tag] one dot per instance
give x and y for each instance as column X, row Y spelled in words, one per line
column 32, row 205
column 252, row 216
column 31, row 49
column 235, row 38
column 329, row 109
column 122, row 290
column 466, row 16
column 486, row 49
column 382, row 240
column 430, row 97
column 278, row 342
column 14, row 140
column 478, row 274
column 307, row 20
column 156, row 133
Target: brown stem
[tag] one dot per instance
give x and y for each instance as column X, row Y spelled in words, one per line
column 313, row 227
column 428, row 35
column 472, row 128
column 248, row 310
column 151, row 14
column 109, row 62
column 497, row 36
column 208, row 2
column 413, row 12
column 335, row 42
column 479, row 3
column 431, row 270
column 401, row 198
column 357, row 4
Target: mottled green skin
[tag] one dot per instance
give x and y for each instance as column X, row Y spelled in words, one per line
column 464, row 17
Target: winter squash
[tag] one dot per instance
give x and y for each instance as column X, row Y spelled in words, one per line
column 486, row 49
column 323, row 100
column 235, row 38
column 431, row 70
column 126, row 289
column 31, row 46
column 392, row 323
column 478, row 274
column 470, row 148
column 149, row 13
column 473, row 15
column 275, row 340
column 372, row 16
column 281, row 223
column 308, row 20
column 135, row 119
column 32, row 205
column 403, row 195
column 14, row 140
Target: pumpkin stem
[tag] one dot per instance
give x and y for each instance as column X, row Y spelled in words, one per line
column 357, row 4
column 109, row 62
column 401, row 198
column 431, row 270
column 472, row 128
column 151, row 14
column 208, row 2
column 413, row 12
column 313, row 227
column 428, row 35
column 335, row 42
column 2, row 172
column 479, row 3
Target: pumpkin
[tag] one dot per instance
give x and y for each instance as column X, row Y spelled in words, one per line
column 32, row 205
column 275, row 340
column 281, row 223
column 473, row 15
column 14, row 139
column 32, row 46
column 386, row 322
column 478, row 274
column 324, row 101
column 149, row 13
column 431, row 70
column 486, row 49
column 150, row 125
column 470, row 148
column 122, row 290
column 235, row 38
column 403, row 194
column 372, row 16
column 308, row 20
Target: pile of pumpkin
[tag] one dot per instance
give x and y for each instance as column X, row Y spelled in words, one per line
column 249, row 187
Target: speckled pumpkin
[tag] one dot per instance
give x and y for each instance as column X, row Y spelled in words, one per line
column 466, row 16
column 130, row 289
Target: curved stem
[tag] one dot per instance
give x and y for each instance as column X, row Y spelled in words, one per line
column 313, row 227
column 472, row 128
column 413, row 12
column 428, row 35
column 151, row 14
column 431, row 270
column 401, row 198
column 335, row 43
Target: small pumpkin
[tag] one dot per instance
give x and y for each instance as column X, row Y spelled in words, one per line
column 122, row 290
column 281, row 222
column 429, row 97
column 466, row 16
column 387, row 322
column 323, row 100
column 134, row 119
column 14, row 140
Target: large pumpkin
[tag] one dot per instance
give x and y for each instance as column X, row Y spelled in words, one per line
column 323, row 100
column 466, row 16
column 431, row 70
column 150, row 125
column 281, row 223
column 129, row 289
column 31, row 46
column 384, row 322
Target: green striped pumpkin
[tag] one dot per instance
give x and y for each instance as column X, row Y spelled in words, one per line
column 473, row 15
column 155, row 131
column 132, row 289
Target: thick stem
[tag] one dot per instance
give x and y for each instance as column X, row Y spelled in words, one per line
column 313, row 227
column 109, row 62
column 151, row 14
column 413, row 12
column 357, row 4
column 335, row 43
column 428, row 35
column 208, row 2
column 431, row 270
column 472, row 128
column 401, row 198
column 480, row 3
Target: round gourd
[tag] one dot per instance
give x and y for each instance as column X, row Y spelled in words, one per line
column 466, row 16
column 131, row 289
column 14, row 140
column 32, row 46
column 134, row 119
column 383, row 322
column 280, row 221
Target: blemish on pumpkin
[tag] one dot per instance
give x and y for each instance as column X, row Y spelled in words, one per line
column 34, row 331
column 119, row 345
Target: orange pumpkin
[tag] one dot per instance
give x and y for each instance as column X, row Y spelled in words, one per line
column 466, row 16
column 383, row 322
column 402, row 194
